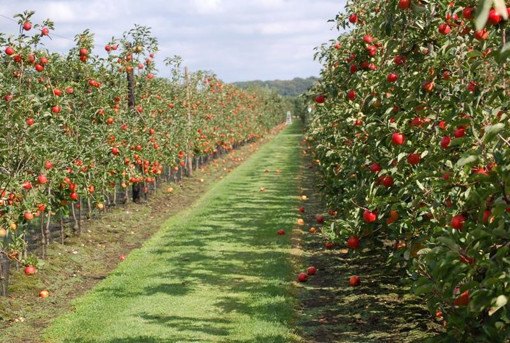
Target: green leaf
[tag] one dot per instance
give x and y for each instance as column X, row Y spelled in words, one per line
column 449, row 243
column 492, row 130
column 483, row 9
column 467, row 160
column 498, row 303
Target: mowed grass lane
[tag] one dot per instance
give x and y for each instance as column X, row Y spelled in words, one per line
column 216, row 272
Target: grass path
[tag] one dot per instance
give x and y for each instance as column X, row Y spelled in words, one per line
column 216, row 272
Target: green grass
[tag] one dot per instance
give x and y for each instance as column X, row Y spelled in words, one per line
column 216, row 272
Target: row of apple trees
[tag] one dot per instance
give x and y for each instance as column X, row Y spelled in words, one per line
column 410, row 129
column 75, row 127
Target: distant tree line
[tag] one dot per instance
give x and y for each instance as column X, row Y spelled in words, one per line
column 292, row 87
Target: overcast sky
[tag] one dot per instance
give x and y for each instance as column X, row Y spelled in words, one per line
column 239, row 40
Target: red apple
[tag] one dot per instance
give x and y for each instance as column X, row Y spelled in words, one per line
column 55, row 109
column 303, row 277
column 30, row 121
column 42, row 179
column 445, row 142
column 320, row 219
column 353, row 242
column 354, row 281
column 45, row 31
column 281, row 232
column 368, row 39
column 444, row 29
column 399, row 60
column 122, row 257
column 414, row 159
column 398, row 138
column 320, row 99
column 48, row 165
column 30, row 270
column 369, row 216
column 9, row 50
column 462, row 300
column 458, row 221
column 494, row 17
column 375, row 167
column 301, row 209
column 44, row 293
column 404, row 4
column 353, row 18
column 387, row 181
column 351, row 95
column 392, row 77
column 311, row 270
column 27, row 26
column 467, row 13
column 28, row 216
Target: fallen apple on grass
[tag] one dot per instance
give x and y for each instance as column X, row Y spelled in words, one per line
column 311, row 270
column 354, row 281
column 303, row 277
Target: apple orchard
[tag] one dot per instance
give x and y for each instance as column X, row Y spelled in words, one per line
column 78, row 128
column 410, row 132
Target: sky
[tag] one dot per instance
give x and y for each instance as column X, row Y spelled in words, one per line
column 238, row 40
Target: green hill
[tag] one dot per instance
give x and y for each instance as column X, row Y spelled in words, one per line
column 292, row 87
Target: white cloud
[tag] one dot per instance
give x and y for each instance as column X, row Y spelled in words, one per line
column 237, row 39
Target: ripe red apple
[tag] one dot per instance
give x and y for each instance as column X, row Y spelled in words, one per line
column 122, row 257
column 368, row 39
column 42, row 179
column 39, row 67
column 55, row 109
column 353, row 68
column 26, row 185
column 353, row 18
column 414, row 159
column 30, row 121
column 375, row 167
column 392, row 77
column 320, row 99
column 301, row 209
column 458, row 222
column 399, row 60
column 45, row 31
column 387, row 181
column 471, row 87
column 329, row 245
column 467, row 13
column 463, row 299
column 354, row 281
column 398, row 138
column 303, row 277
column 27, row 26
column 320, row 219
column 281, row 232
column 351, row 95
column 372, row 50
column 460, row 132
column 445, row 142
column 494, row 17
column 28, row 216
column 48, row 165
column 311, row 270
column 369, row 216
column 44, row 293
column 353, row 242
column 444, row 29
column 30, row 270
column 73, row 196
column 9, row 50
column 404, row 4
